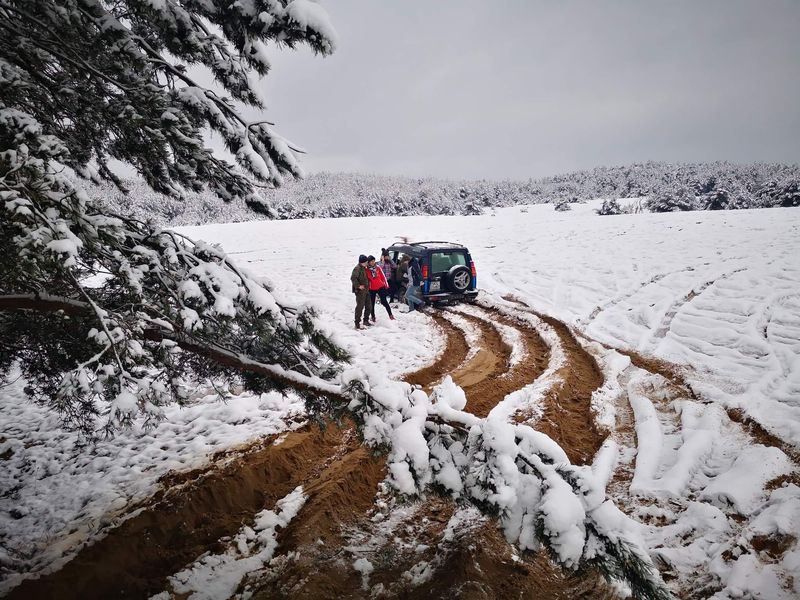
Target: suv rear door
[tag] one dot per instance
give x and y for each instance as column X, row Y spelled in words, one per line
column 441, row 261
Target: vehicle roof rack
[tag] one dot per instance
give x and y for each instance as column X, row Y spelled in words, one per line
column 433, row 242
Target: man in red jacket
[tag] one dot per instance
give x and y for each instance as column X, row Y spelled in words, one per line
column 378, row 286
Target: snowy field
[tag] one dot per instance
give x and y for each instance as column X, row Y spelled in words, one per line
column 717, row 293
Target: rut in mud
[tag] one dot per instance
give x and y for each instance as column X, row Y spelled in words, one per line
column 195, row 510
column 480, row 565
column 568, row 417
column 190, row 517
column 341, row 478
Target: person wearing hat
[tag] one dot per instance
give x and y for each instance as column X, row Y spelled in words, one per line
column 361, row 290
column 389, row 269
column 378, row 287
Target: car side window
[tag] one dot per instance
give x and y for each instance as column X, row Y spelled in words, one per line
column 444, row 261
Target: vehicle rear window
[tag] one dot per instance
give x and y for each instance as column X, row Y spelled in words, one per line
column 443, row 261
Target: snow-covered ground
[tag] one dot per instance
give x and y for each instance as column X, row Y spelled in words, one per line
column 717, row 292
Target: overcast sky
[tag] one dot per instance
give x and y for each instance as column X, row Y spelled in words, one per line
column 521, row 88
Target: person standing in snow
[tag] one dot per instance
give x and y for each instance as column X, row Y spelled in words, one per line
column 389, row 269
column 401, row 276
column 378, row 286
column 361, row 290
column 413, row 292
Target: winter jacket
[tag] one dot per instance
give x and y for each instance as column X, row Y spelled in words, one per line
column 359, row 277
column 377, row 280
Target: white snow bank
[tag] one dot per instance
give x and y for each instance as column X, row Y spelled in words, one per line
column 742, row 486
column 216, row 576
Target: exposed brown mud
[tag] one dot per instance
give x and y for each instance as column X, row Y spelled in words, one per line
column 454, row 354
column 568, row 417
column 195, row 510
column 491, row 359
column 762, row 436
column 134, row 559
column 773, row 546
column 484, row 392
column 480, row 566
column 487, row 569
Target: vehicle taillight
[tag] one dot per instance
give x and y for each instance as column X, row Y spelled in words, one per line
column 424, row 271
column 472, row 268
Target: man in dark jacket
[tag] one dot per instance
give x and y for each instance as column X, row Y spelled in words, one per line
column 361, row 289
column 414, row 291
column 402, row 280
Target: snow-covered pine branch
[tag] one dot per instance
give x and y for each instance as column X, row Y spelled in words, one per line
column 119, row 80
column 98, row 309
column 104, row 313
column 508, row 470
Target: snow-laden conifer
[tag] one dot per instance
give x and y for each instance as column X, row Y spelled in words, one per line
column 507, row 470
column 107, row 314
column 610, row 207
column 672, row 198
column 562, row 205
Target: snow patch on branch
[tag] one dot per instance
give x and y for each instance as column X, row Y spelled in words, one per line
column 508, row 469
column 310, row 15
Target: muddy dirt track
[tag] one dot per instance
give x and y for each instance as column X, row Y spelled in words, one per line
column 195, row 510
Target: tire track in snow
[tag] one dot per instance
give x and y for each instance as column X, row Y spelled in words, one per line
column 682, row 469
column 666, row 322
column 675, row 377
column 197, row 511
column 416, row 551
column 194, row 510
column 612, row 303
column 568, row 416
column 630, row 294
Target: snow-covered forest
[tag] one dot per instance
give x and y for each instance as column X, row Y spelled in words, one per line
column 657, row 187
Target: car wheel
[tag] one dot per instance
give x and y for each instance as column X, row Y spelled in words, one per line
column 459, row 278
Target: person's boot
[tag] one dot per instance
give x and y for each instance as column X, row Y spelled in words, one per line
column 367, row 323
column 391, row 317
column 358, row 325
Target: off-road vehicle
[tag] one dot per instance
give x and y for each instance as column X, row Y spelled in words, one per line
column 448, row 272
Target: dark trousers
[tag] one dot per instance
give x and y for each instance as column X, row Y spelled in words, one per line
column 393, row 289
column 382, row 294
column 362, row 302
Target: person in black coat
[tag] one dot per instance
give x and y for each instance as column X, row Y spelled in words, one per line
column 414, row 292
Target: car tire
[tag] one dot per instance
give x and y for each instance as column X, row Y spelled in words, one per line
column 458, row 279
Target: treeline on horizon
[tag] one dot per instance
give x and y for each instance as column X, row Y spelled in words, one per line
column 661, row 186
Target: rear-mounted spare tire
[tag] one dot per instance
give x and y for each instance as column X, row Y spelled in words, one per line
column 458, row 279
